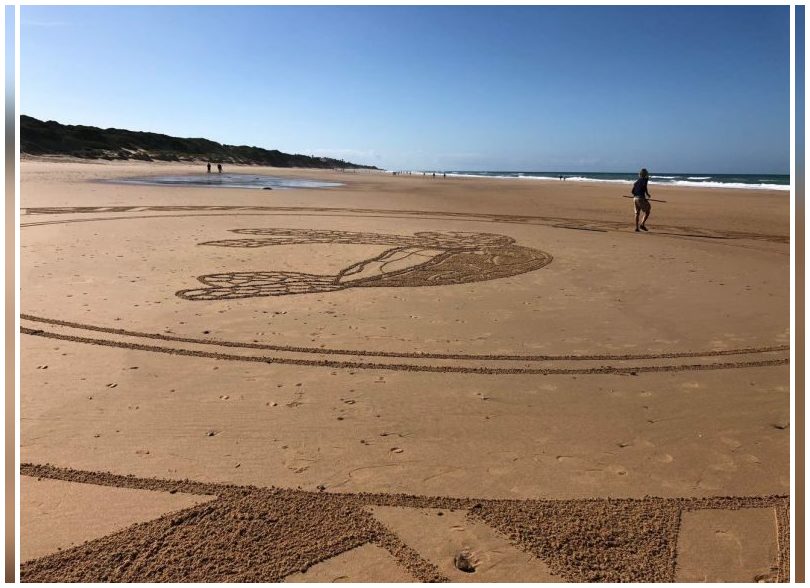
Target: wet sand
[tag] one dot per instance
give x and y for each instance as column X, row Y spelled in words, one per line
column 508, row 349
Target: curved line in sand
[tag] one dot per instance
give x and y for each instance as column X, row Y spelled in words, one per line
column 629, row 370
column 413, row 355
column 557, row 222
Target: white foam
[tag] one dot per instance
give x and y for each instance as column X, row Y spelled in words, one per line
column 460, row 175
column 522, row 177
column 738, row 185
column 699, row 178
column 686, row 183
column 605, row 180
column 502, row 177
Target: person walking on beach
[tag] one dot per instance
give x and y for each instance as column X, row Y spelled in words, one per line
column 219, row 167
column 641, row 198
column 209, row 167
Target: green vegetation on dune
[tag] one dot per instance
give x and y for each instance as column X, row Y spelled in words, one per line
column 52, row 138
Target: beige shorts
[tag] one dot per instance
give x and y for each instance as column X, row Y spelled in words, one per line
column 641, row 204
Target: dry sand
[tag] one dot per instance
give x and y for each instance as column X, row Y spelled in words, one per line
column 510, row 350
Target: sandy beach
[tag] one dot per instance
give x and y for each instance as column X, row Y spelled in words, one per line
column 403, row 378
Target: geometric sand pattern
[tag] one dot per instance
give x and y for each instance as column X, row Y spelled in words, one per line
column 439, row 535
column 251, row 534
column 55, row 513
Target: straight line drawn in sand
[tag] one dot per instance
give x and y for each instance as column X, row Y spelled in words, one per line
column 422, row 259
column 265, row 534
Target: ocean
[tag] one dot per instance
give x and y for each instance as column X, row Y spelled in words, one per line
column 241, row 180
column 744, row 181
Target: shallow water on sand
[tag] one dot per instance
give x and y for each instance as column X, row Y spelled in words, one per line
column 216, row 180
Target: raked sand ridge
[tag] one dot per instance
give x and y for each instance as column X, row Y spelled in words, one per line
column 571, row 395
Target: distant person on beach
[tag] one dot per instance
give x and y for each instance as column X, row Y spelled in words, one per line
column 641, row 198
column 209, row 167
column 219, row 167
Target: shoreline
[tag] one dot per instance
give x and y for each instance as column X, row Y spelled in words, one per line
column 710, row 209
column 586, row 180
column 758, row 188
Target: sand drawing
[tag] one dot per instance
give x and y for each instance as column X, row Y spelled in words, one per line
column 252, row 534
column 266, row 534
column 422, row 259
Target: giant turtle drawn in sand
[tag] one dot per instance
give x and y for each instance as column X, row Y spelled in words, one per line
column 421, row 259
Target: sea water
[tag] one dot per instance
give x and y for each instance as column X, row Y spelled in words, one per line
column 217, row 180
column 744, row 181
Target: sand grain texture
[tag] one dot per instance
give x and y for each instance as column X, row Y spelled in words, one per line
column 728, row 546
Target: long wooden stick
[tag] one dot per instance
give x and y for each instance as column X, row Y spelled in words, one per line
column 652, row 199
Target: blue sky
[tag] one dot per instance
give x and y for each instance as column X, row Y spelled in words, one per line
column 690, row 88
